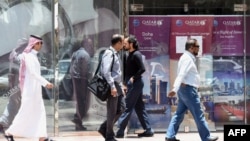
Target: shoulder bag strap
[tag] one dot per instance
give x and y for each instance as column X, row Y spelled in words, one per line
column 100, row 61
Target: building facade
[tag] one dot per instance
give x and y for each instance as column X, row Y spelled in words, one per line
column 161, row 27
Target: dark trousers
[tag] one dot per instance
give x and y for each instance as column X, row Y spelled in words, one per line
column 11, row 108
column 81, row 95
column 14, row 103
column 115, row 107
column 134, row 101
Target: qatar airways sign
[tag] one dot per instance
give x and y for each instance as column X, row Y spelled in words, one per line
column 152, row 22
column 195, row 22
column 232, row 23
column 192, row 22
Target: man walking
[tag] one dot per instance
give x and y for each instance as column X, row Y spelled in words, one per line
column 80, row 62
column 134, row 82
column 111, row 70
column 186, row 86
column 14, row 102
column 32, row 107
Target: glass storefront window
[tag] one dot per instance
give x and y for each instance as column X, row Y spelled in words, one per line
column 18, row 20
column 220, row 27
column 89, row 24
column 159, row 25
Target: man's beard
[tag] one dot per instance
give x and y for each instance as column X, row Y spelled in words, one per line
column 195, row 53
column 126, row 49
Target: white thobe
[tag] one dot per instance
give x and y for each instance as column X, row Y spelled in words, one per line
column 30, row 121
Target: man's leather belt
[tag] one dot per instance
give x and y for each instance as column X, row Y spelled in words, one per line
column 184, row 85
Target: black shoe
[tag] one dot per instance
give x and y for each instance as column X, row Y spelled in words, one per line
column 76, row 121
column 119, row 136
column 80, row 127
column 9, row 138
column 147, row 133
column 48, row 139
column 111, row 139
column 211, row 138
column 102, row 132
column 166, row 139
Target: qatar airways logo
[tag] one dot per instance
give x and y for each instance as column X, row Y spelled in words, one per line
column 231, row 23
column 136, row 22
column 152, row 22
column 195, row 22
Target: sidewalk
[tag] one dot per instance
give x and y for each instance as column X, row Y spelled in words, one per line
column 95, row 136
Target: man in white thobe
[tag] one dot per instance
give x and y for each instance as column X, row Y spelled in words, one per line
column 30, row 121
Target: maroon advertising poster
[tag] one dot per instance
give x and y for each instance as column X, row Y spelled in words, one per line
column 228, row 79
column 228, row 36
column 248, row 35
column 183, row 27
column 248, row 65
column 220, row 61
column 199, row 28
column 152, row 32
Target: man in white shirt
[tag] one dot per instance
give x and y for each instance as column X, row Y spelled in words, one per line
column 186, row 86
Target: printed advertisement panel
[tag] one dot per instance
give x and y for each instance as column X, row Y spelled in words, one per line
column 228, row 89
column 183, row 27
column 228, row 36
column 228, row 74
column 248, row 67
column 152, row 32
column 199, row 28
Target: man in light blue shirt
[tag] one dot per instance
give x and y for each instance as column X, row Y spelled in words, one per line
column 186, row 86
column 111, row 70
column 80, row 62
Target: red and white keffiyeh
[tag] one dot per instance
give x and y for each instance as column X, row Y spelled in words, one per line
column 32, row 41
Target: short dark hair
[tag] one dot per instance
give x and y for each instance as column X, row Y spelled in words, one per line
column 132, row 39
column 116, row 38
column 190, row 43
